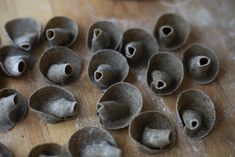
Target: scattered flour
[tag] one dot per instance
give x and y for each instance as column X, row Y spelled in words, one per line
column 203, row 18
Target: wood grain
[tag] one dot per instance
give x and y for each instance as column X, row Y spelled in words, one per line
column 212, row 23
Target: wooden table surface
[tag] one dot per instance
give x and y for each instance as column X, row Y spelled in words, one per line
column 212, row 23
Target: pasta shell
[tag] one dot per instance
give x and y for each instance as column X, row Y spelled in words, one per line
column 119, row 104
column 24, row 32
column 49, row 150
column 53, row 104
column 107, row 67
column 196, row 112
column 201, row 63
column 171, row 31
column 138, row 46
column 4, row 151
column 93, row 141
column 13, row 109
column 165, row 73
column 103, row 35
column 60, row 31
column 153, row 132
column 60, row 65
column 14, row 62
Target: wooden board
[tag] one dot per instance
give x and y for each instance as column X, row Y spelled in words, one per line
column 212, row 23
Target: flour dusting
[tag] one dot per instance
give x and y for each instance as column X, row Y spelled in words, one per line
column 203, row 18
